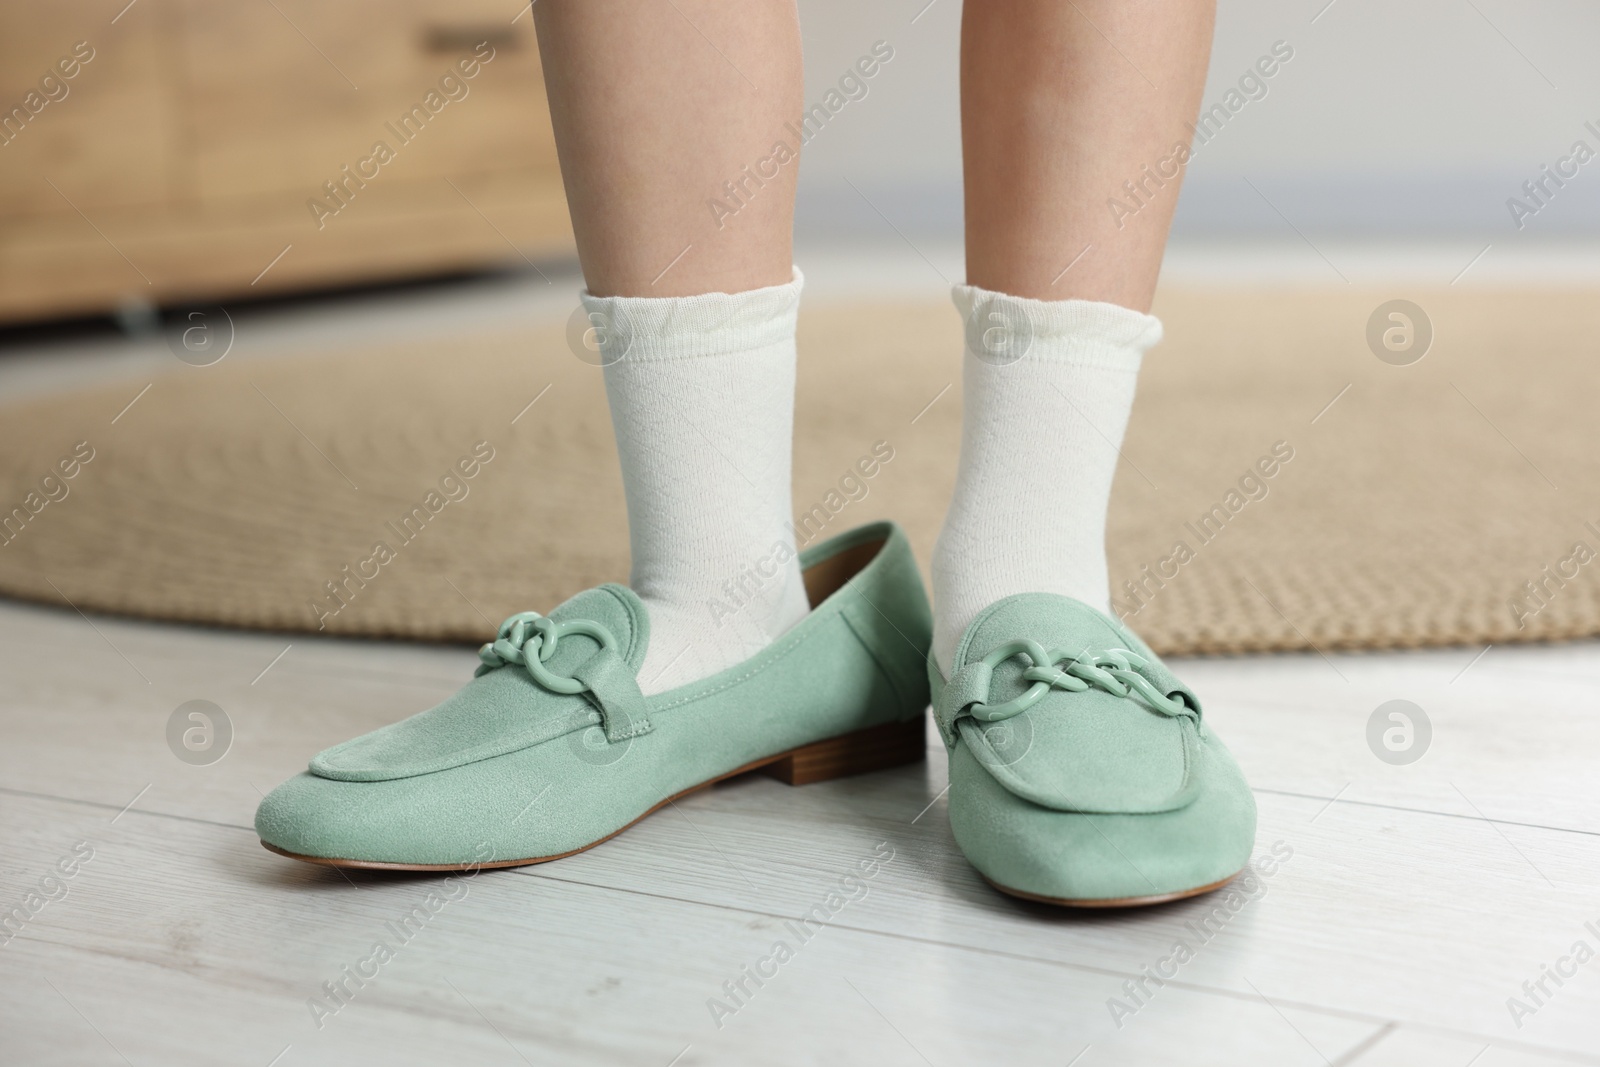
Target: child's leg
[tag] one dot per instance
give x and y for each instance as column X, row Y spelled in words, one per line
column 1056, row 114
column 656, row 107
column 1062, row 104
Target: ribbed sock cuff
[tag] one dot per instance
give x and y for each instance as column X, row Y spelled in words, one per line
column 1003, row 329
column 650, row 328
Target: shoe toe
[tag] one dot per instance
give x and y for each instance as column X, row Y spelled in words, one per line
column 407, row 821
column 1099, row 857
column 319, row 817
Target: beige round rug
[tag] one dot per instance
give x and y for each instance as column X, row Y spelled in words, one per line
column 1281, row 486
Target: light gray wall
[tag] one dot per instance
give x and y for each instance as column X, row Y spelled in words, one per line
column 1392, row 118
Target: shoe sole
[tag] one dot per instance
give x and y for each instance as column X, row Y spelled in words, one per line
column 876, row 748
column 1111, row 902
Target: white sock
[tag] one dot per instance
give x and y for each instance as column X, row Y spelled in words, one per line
column 702, row 402
column 1047, row 390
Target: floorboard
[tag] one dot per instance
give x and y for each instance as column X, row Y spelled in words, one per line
column 1395, row 932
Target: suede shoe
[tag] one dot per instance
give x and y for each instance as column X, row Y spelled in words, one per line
column 1081, row 772
column 552, row 749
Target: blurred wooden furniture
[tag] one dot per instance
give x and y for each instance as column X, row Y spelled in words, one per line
column 179, row 163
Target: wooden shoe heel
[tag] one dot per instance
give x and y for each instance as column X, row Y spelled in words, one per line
column 874, row 749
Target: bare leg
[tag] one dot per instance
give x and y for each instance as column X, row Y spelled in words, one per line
column 1062, row 102
column 668, row 119
column 655, row 106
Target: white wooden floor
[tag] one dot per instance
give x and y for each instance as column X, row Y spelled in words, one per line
column 1416, row 901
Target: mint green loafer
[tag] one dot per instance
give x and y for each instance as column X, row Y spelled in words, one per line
column 1081, row 772
column 551, row 748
